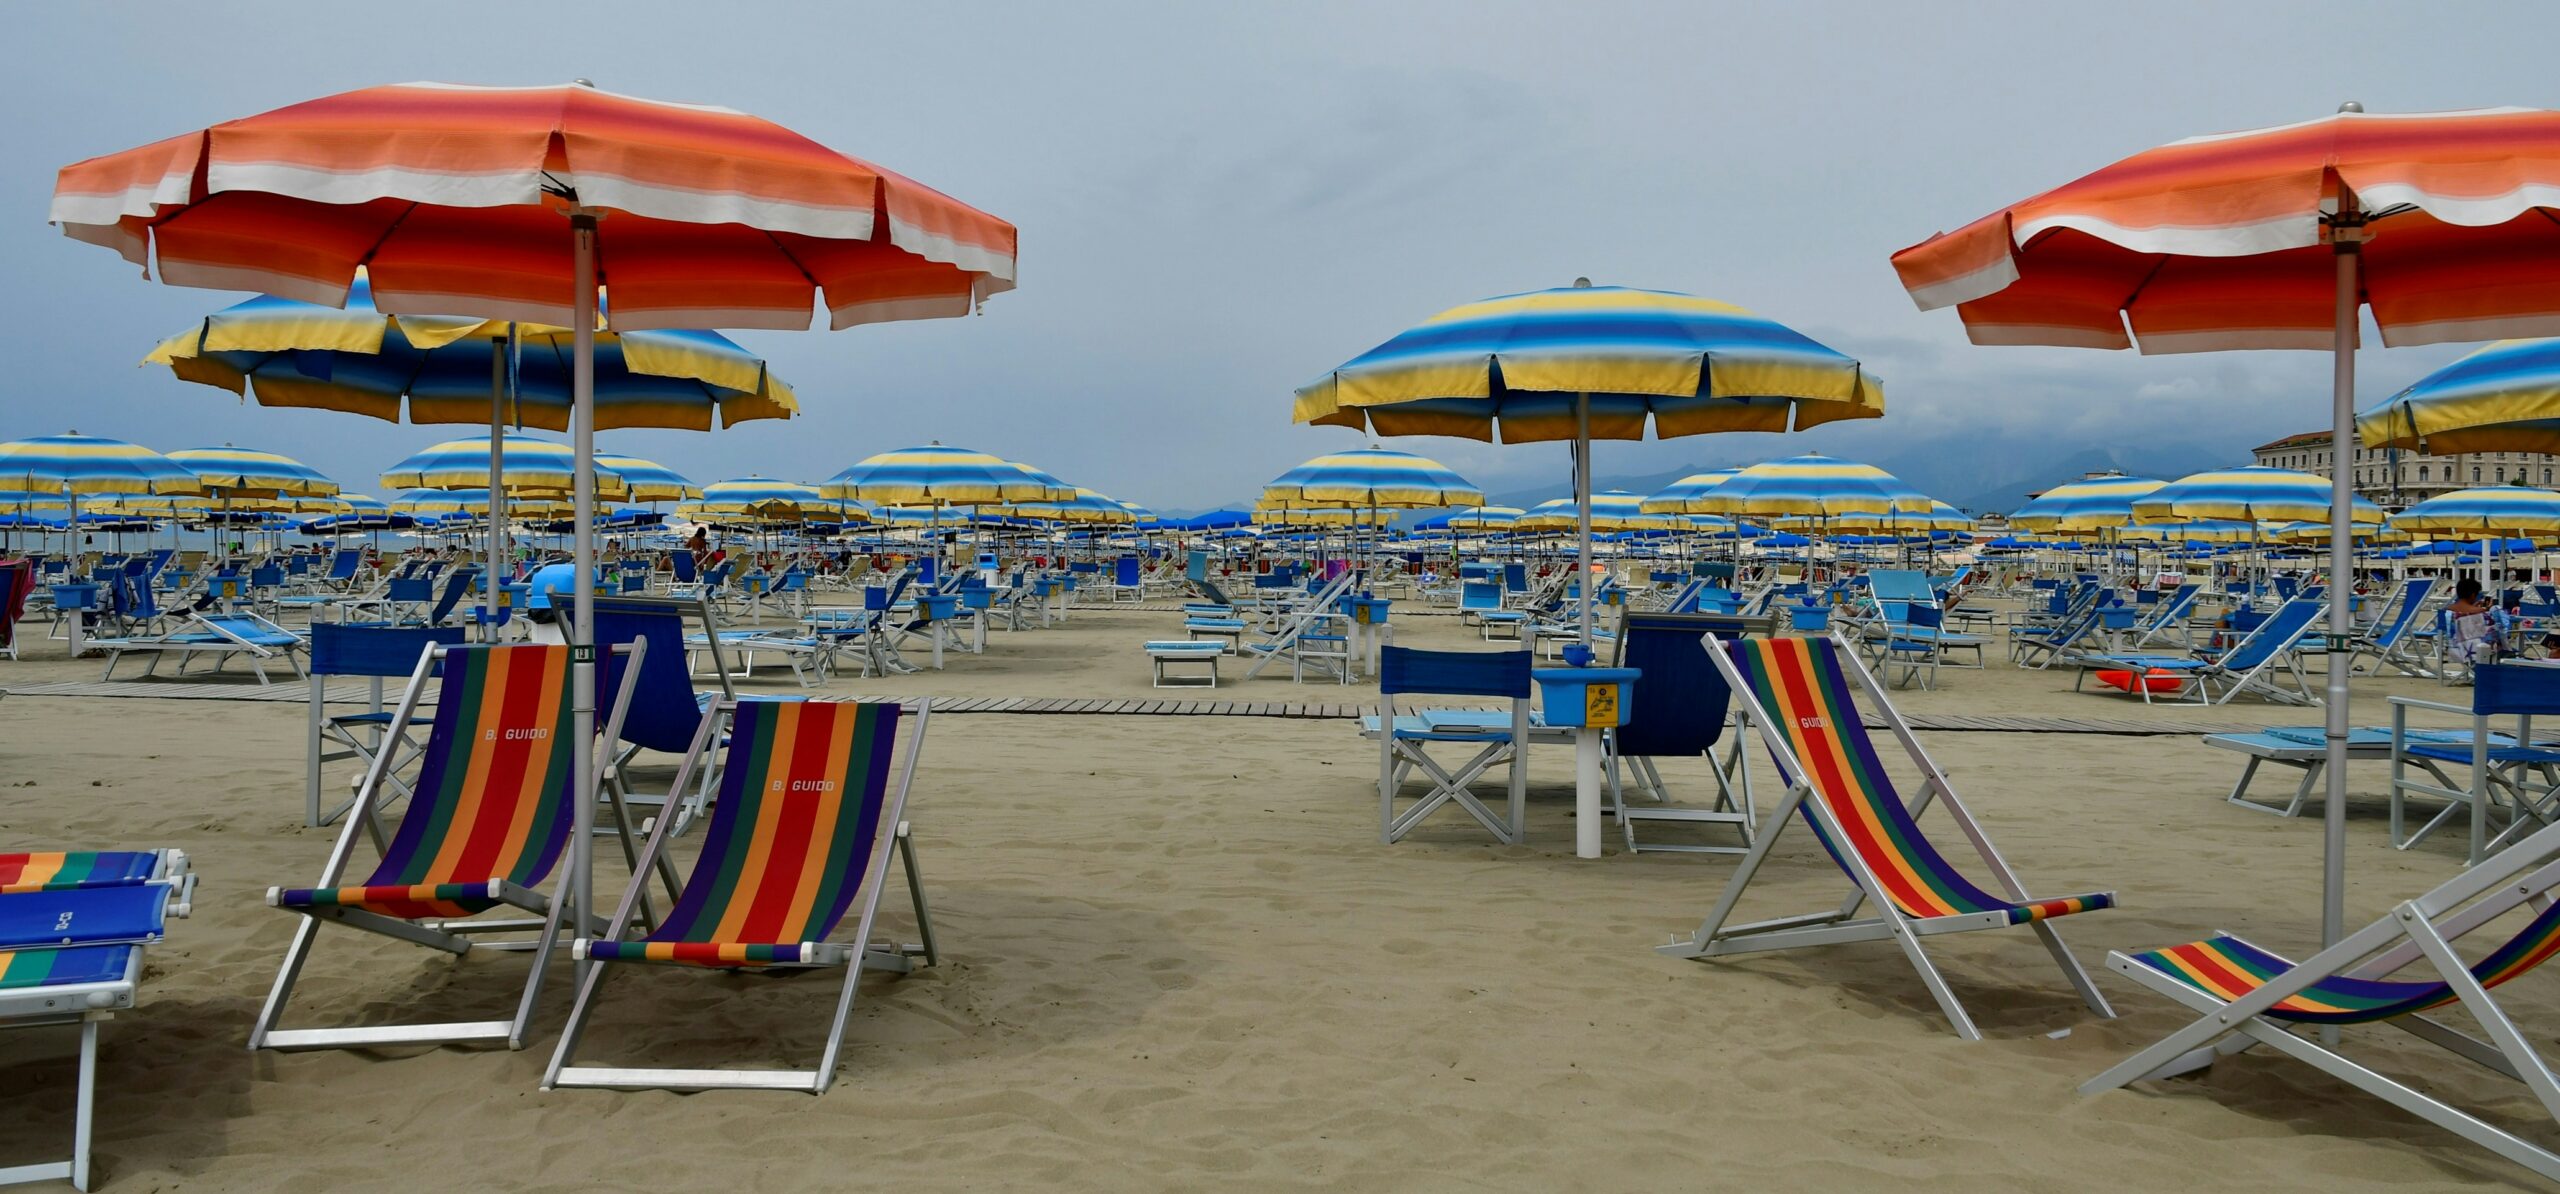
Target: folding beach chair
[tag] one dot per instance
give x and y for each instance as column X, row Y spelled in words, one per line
column 2267, row 661
column 2038, row 646
column 1682, row 716
column 2246, row 996
column 1796, row 693
column 1480, row 602
column 71, row 953
column 223, row 637
column 664, row 711
column 1404, row 740
column 1312, row 633
column 17, row 580
column 800, row 836
column 2168, row 618
column 2386, row 639
column 2509, row 773
column 488, row 819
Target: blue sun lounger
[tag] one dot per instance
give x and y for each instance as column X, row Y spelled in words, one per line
column 71, row 953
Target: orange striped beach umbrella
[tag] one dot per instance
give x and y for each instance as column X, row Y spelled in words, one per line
column 517, row 203
column 2442, row 223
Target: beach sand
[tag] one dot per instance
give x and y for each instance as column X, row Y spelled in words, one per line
column 1175, row 955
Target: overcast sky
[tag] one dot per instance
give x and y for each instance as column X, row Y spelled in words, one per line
column 1219, row 202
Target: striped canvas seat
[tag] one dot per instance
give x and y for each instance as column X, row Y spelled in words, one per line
column 86, row 868
column 492, row 804
column 21, row 969
column 2228, row 968
column 1800, row 684
column 793, row 836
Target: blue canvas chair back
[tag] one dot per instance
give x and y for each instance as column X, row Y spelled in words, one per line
column 340, row 650
column 1195, row 568
column 2279, row 629
column 875, row 599
column 1478, row 595
column 297, row 564
column 141, row 602
column 680, row 565
column 1686, row 698
column 342, row 566
column 1515, row 578
column 2287, row 586
column 2514, row 690
column 411, row 589
column 662, row 712
column 1125, row 572
column 929, row 569
column 454, row 587
column 1503, row 674
column 2412, row 595
column 266, row 576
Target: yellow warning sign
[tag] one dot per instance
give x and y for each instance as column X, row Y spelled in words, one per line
column 1600, row 705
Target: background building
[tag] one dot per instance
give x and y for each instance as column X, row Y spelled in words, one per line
column 2402, row 478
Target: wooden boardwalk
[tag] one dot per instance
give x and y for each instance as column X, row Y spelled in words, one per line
column 356, row 692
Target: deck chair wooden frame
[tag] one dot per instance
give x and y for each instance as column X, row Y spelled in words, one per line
column 453, row 935
column 2273, row 1002
column 1891, row 921
column 854, row 957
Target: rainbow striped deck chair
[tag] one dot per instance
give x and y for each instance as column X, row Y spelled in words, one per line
column 488, row 817
column 71, row 870
column 1796, row 691
column 800, row 837
column 2392, row 972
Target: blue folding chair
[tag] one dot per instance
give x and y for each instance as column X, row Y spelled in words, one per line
column 1404, row 739
column 376, row 653
column 1682, row 716
column 2506, row 769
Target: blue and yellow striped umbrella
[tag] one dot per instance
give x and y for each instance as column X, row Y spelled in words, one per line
column 242, row 470
column 76, row 463
column 2097, row 503
column 1085, row 506
column 768, row 501
column 2201, row 530
column 2254, row 493
column 1054, row 490
column 2501, row 398
column 1514, row 367
column 1611, row 510
column 424, row 504
column 2486, row 513
column 534, row 466
column 364, row 362
column 1372, row 477
column 1682, row 496
column 1140, row 515
column 648, row 480
column 936, row 475
column 1938, row 517
column 1485, row 518
column 1283, row 514
column 1812, row 486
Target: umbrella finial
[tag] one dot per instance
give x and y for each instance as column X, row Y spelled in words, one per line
column 2351, row 106
column 1582, row 283
column 589, row 84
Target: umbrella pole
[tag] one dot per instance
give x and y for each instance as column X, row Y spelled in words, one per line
column 497, row 487
column 2346, row 232
column 582, row 554
column 1582, row 514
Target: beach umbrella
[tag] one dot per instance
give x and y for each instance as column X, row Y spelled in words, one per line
column 2489, row 514
column 493, row 203
column 1591, row 362
column 1681, row 496
column 2254, row 493
column 228, row 469
column 2273, row 238
column 648, row 480
column 447, row 369
column 1485, row 518
column 1376, row 477
column 1811, row 486
column 474, row 503
column 525, row 464
column 1611, row 510
column 2502, row 398
column 75, row 463
column 936, row 475
column 766, row 502
column 2102, row 502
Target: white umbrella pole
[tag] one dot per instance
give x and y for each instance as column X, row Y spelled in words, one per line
column 1582, row 509
column 2346, row 233
column 497, row 487
column 582, row 556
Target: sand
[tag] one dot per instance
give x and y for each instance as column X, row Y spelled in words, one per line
column 1175, row 956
